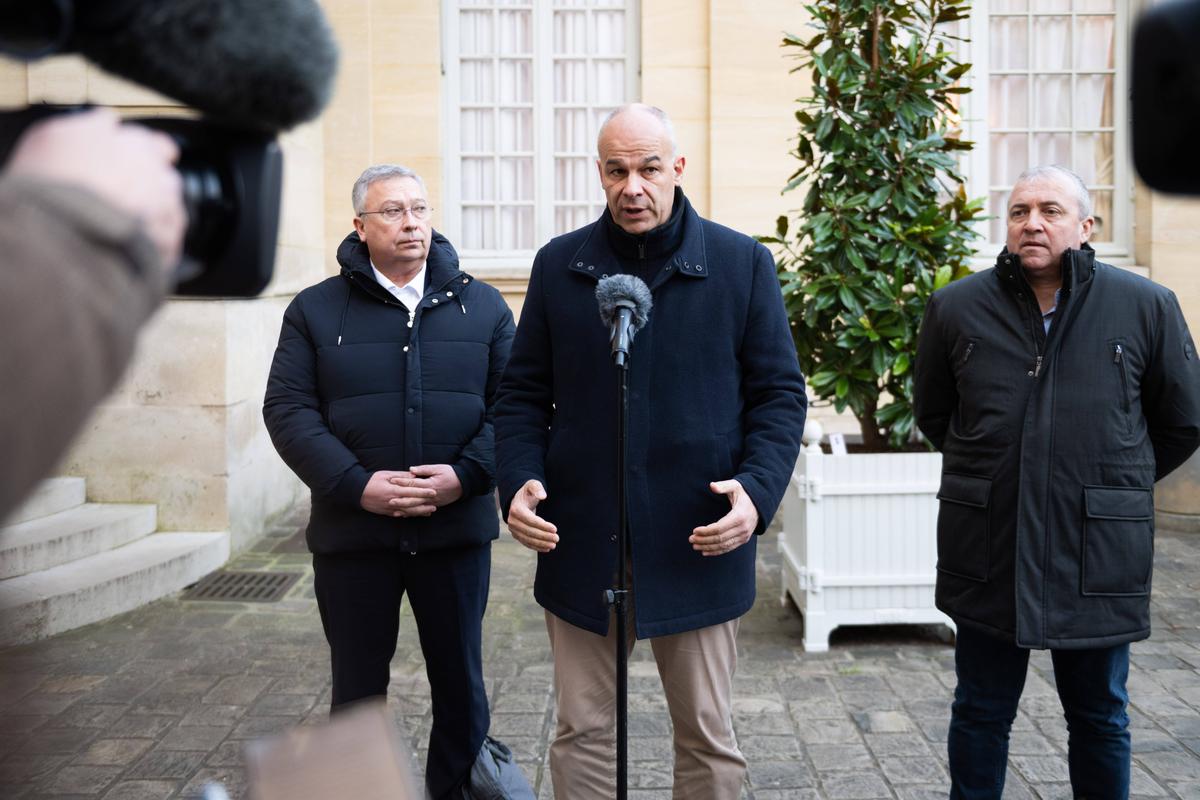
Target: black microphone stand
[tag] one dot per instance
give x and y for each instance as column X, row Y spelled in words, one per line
column 617, row 596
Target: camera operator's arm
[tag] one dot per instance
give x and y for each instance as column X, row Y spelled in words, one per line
column 91, row 214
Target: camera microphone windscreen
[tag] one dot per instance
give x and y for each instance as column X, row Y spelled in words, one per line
column 265, row 64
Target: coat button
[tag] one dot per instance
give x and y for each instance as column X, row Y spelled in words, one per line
column 435, row 301
column 591, row 267
column 579, row 263
column 466, row 280
column 604, row 275
column 406, row 348
column 699, row 268
column 412, row 410
column 449, row 294
column 612, row 538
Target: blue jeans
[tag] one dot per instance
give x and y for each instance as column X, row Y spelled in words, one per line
column 1091, row 687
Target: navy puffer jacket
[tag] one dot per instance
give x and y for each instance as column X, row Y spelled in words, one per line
column 354, row 390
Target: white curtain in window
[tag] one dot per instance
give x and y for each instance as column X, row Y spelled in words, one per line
column 1051, row 98
column 502, row 152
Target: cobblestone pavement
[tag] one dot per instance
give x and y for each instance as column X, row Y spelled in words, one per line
column 155, row 703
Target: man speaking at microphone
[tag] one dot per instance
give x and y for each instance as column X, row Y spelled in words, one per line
column 716, row 407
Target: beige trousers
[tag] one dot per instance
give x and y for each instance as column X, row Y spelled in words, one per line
column 696, row 669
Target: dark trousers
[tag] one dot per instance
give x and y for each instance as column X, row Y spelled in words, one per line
column 1091, row 687
column 359, row 596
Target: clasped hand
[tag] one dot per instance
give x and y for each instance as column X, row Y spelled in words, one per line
column 415, row 492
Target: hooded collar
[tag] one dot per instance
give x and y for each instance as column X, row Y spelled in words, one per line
column 1078, row 266
column 441, row 265
column 682, row 245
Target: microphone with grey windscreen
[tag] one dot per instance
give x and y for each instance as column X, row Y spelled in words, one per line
column 624, row 308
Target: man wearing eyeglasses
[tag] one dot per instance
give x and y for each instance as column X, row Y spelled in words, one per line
column 380, row 398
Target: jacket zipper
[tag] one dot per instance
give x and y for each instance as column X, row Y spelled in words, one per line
column 1119, row 360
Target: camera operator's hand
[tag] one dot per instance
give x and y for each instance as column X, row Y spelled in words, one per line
column 127, row 165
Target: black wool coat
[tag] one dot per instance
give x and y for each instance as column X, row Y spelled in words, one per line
column 1051, row 446
column 715, row 393
column 354, row 390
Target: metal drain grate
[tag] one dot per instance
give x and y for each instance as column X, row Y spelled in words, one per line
column 243, row 587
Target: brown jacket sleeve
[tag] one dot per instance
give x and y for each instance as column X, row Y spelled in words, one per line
column 77, row 280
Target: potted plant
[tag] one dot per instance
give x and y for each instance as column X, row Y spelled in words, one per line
column 885, row 221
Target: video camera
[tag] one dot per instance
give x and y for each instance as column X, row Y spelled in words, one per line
column 1166, row 97
column 253, row 67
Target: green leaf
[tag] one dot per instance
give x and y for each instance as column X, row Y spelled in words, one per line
column 942, row 278
column 856, row 258
column 901, row 365
column 847, row 297
column 843, row 387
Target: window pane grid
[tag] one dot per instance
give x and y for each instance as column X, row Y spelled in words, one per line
column 1051, row 77
column 533, row 81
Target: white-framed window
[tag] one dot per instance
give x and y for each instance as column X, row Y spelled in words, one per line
column 1049, row 86
column 527, row 83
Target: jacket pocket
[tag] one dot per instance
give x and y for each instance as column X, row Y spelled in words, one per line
column 963, row 525
column 1118, row 540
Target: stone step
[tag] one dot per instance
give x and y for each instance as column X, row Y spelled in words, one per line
column 50, row 497
column 79, row 532
column 90, row 589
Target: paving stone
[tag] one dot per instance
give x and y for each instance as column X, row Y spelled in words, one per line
column 81, row 780
column 1187, row 790
column 1161, row 705
column 650, row 748
column 159, row 763
column 113, row 752
column 791, row 774
column 22, row 723
column 651, row 775
column 787, row 794
column 883, row 722
column 59, row 740
column 506, row 724
column 256, row 727
column 147, row 726
column 27, row 769
column 768, row 724
column 1171, row 766
column 212, row 715
column 839, row 757
column 47, row 703
column 227, row 754
column 1041, row 769
column 142, row 790
column 901, row 770
column 194, row 737
column 827, row 731
column 233, row 779
column 1142, row 785
column 921, row 792
column 768, row 748
column 237, row 690
column 896, row 744
column 853, row 786
column 1029, row 743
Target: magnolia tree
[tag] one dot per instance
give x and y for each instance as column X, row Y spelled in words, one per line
column 885, row 219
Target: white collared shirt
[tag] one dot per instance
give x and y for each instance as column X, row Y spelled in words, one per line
column 409, row 294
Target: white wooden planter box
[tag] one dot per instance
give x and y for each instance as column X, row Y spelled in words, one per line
column 859, row 541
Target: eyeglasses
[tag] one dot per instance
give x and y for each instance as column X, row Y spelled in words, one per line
column 394, row 213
